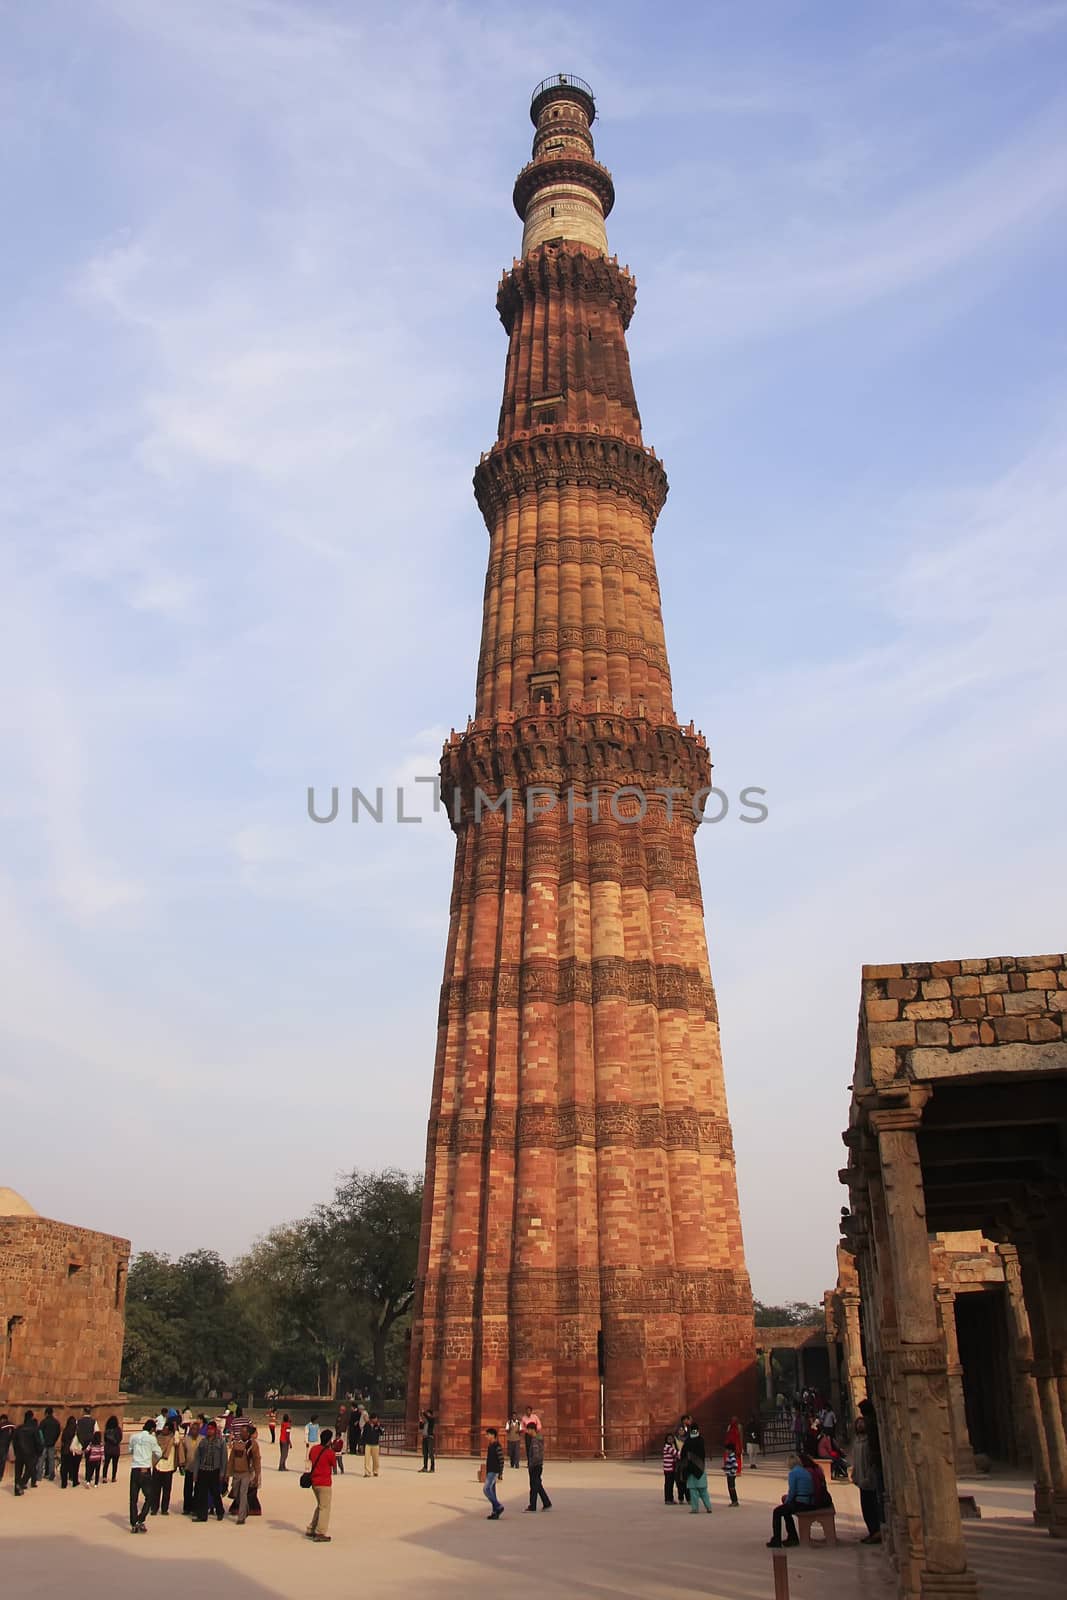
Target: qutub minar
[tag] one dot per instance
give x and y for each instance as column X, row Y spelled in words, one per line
column 581, row 1242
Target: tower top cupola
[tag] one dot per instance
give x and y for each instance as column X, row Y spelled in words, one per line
column 563, row 193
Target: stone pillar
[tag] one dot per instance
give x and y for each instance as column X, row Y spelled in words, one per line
column 957, row 1409
column 835, row 1375
column 801, row 1375
column 1026, row 1384
column 916, row 1363
column 1033, row 1277
column 768, row 1373
column 855, row 1370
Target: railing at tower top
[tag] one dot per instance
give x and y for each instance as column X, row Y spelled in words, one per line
column 562, row 80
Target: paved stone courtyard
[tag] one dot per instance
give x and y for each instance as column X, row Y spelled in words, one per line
column 609, row 1534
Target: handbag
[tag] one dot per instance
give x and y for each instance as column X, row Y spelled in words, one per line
column 76, row 1448
column 305, row 1480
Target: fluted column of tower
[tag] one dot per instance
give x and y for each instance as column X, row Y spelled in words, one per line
column 581, row 1245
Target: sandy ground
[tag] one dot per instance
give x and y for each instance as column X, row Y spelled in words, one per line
column 608, row 1534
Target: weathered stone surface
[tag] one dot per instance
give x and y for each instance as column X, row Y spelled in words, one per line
column 1012, row 1055
column 62, row 1304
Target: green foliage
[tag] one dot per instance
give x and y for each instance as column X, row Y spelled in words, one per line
column 314, row 1305
column 794, row 1314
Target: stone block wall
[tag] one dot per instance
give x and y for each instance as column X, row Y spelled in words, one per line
column 62, row 1314
column 936, row 1019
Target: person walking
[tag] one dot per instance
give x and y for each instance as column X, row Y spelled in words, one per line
column 865, row 1477
column 70, row 1455
column 427, row 1424
column 311, row 1436
column 322, row 1459
column 731, row 1467
column 112, row 1448
column 187, row 1466
column 27, row 1443
column 145, row 1451
column 243, row 1469
column 670, row 1470
column 535, row 1466
column 285, row 1440
column 50, row 1432
column 210, row 1467
column 371, row 1439
column 494, row 1467
column 163, row 1473
column 752, row 1442
column 514, row 1438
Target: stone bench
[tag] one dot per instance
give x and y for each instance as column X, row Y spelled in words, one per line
column 824, row 1517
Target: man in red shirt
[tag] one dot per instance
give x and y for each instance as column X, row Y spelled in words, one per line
column 323, row 1461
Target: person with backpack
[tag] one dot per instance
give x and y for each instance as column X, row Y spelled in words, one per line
column 112, row 1448
column 320, row 1482
column 244, row 1471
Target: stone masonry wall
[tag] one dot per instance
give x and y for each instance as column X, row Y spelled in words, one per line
column 62, row 1314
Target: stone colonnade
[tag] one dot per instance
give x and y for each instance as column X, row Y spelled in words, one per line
column 958, row 1126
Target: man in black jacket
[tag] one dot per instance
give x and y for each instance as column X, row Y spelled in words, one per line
column 494, row 1467
column 535, row 1465
column 84, row 1429
column 50, row 1431
column 27, row 1442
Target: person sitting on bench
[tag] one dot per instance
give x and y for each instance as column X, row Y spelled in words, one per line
column 807, row 1491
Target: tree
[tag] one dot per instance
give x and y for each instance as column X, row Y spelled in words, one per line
column 364, row 1247
column 794, row 1314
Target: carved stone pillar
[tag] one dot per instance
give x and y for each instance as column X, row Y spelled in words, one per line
column 1026, row 1384
column 916, row 1363
column 768, row 1373
column 855, row 1371
column 957, row 1409
column 1034, row 1289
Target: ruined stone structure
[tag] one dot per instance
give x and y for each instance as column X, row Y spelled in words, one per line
column 62, row 1311
column 958, row 1121
column 973, row 1286
column 581, row 1246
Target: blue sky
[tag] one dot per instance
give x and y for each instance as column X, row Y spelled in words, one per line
column 251, row 357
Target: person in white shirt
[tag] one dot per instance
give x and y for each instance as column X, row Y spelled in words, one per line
column 144, row 1453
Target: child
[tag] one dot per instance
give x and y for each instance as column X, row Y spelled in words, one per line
column 94, row 1458
column 729, row 1467
column 670, row 1470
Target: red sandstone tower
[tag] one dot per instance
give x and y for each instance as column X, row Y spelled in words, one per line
column 581, row 1242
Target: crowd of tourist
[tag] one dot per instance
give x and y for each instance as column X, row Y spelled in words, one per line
column 221, row 1457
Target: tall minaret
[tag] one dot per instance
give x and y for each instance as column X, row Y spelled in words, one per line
column 581, row 1243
